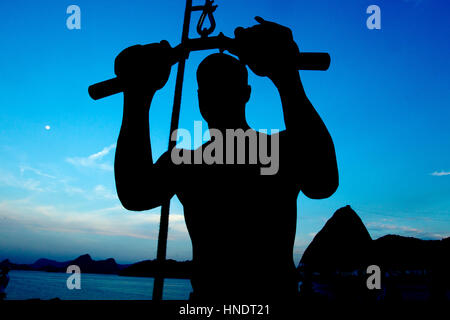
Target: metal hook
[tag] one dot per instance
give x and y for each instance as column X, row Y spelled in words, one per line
column 208, row 10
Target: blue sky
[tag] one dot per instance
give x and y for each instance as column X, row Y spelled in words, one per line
column 385, row 100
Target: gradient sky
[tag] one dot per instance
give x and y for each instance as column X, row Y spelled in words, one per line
column 385, row 100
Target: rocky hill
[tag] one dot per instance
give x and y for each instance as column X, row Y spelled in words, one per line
column 344, row 244
column 85, row 262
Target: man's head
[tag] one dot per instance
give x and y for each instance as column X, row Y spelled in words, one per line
column 223, row 91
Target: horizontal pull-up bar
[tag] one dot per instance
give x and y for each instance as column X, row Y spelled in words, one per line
column 307, row 61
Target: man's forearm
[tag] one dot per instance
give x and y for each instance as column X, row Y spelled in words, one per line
column 309, row 137
column 135, row 132
column 301, row 119
column 133, row 158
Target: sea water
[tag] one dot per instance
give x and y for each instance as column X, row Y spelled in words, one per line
column 49, row 285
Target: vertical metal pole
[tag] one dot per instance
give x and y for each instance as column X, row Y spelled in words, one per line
column 164, row 222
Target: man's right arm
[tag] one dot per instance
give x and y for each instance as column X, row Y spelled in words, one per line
column 140, row 184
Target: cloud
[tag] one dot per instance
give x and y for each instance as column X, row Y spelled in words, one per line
column 102, row 153
column 99, row 192
column 42, row 184
column 440, row 174
column 109, row 221
column 102, row 192
column 45, row 183
column 383, row 226
column 35, row 171
column 404, row 230
column 94, row 160
column 8, row 179
column 71, row 190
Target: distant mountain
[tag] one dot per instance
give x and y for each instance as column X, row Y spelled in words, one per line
column 334, row 264
column 85, row 262
column 43, row 263
column 14, row 266
column 150, row 268
column 343, row 244
column 147, row 268
column 87, row 265
column 397, row 253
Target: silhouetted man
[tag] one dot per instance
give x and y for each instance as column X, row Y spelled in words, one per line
column 242, row 223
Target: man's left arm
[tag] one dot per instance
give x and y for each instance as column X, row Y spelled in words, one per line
column 309, row 141
column 269, row 50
